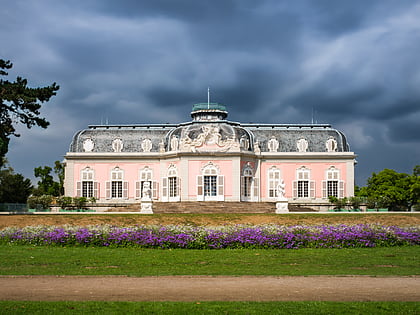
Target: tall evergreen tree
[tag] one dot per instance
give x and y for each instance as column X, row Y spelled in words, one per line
column 20, row 104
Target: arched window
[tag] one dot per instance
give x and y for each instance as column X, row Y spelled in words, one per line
column 332, row 185
column 210, row 184
column 274, row 179
column 87, row 187
column 117, row 188
column 171, row 185
column 303, row 186
column 249, row 184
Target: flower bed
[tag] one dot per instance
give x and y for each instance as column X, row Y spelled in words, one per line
column 240, row 236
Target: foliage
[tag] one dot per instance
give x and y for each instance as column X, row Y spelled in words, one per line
column 68, row 203
column 14, row 188
column 240, row 236
column 64, row 202
column 20, row 104
column 46, row 184
column 389, row 189
column 40, row 202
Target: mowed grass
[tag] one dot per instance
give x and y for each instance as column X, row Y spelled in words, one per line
column 48, row 260
column 44, row 260
column 164, row 308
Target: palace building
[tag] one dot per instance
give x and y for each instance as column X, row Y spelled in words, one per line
column 210, row 159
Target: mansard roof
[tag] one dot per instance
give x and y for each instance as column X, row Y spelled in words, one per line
column 209, row 131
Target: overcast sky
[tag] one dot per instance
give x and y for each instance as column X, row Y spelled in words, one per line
column 352, row 64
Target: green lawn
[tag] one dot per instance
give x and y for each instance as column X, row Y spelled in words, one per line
column 45, row 260
column 165, row 308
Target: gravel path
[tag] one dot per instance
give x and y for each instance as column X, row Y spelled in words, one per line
column 207, row 288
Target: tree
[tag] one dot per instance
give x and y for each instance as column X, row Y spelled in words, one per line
column 20, row 104
column 46, row 184
column 396, row 191
column 59, row 171
column 14, row 188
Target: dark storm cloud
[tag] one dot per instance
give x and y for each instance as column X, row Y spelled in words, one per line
column 353, row 64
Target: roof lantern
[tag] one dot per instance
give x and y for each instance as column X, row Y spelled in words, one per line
column 209, row 111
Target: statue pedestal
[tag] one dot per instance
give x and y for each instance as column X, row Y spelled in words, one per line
column 282, row 205
column 146, row 206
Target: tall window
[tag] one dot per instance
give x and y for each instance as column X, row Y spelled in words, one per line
column 332, row 185
column 210, row 185
column 249, row 184
column 303, row 187
column 273, row 181
column 171, row 185
column 117, row 188
column 246, row 182
column 87, row 187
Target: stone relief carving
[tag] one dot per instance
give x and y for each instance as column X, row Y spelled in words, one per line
column 88, row 145
column 273, row 144
column 331, row 145
column 146, row 145
column 210, row 137
column 302, row 145
column 117, row 145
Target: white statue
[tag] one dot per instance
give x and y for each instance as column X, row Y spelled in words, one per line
column 147, row 192
column 282, row 204
column 281, row 189
column 174, row 143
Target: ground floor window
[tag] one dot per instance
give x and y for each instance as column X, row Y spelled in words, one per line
column 173, row 187
column 246, row 186
column 210, row 185
column 87, row 189
column 303, row 189
column 116, row 189
column 332, row 188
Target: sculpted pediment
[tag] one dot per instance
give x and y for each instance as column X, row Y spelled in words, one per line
column 208, row 138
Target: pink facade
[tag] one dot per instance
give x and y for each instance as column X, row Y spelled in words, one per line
column 210, row 159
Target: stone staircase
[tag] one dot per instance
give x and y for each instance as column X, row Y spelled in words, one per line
column 210, row 207
column 202, row 207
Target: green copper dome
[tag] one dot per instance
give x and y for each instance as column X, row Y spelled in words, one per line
column 209, row 111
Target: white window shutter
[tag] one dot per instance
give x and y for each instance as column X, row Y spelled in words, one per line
column 125, row 190
column 341, row 189
column 295, row 189
column 178, row 186
column 200, row 188
column 256, row 187
column 164, row 189
column 155, row 190
column 242, row 186
column 96, row 190
column 311, row 189
column 324, row 189
column 138, row 190
column 79, row 189
column 108, row 190
column 220, row 188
